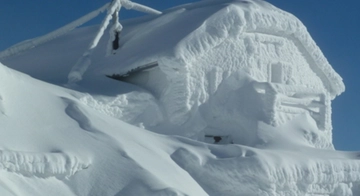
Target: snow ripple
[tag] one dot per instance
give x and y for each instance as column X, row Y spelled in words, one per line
column 41, row 165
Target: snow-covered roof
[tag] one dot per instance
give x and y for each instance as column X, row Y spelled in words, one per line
column 174, row 36
column 182, row 34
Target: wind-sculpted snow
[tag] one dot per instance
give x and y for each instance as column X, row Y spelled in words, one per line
column 136, row 108
column 42, row 165
column 54, row 144
column 234, row 170
column 137, row 188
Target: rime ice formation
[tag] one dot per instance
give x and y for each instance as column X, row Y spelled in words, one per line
column 112, row 14
column 240, row 74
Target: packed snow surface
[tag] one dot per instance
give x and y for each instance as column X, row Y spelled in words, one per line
column 241, row 74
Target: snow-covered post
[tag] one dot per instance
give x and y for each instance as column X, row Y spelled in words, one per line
column 23, row 46
column 113, row 13
column 115, row 31
column 84, row 61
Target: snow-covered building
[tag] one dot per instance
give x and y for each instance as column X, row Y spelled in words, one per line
column 229, row 71
column 237, row 64
column 236, row 51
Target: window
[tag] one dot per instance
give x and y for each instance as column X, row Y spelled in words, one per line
column 276, row 73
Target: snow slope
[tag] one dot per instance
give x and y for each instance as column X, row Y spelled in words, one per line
column 53, row 144
column 90, row 138
column 53, row 141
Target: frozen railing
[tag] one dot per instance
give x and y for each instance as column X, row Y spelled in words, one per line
column 283, row 102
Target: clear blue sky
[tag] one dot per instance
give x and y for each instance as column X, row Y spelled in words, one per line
column 333, row 24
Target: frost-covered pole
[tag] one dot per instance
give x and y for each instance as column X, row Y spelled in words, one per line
column 83, row 63
column 23, row 46
column 115, row 30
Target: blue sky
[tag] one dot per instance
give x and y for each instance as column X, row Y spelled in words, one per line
column 333, row 24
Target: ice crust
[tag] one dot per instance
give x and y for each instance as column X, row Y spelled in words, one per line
column 217, row 75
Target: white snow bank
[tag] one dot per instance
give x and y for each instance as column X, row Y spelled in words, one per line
column 63, row 128
column 231, row 170
column 52, row 139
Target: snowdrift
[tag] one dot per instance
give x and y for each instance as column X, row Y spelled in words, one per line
column 150, row 134
column 52, row 142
